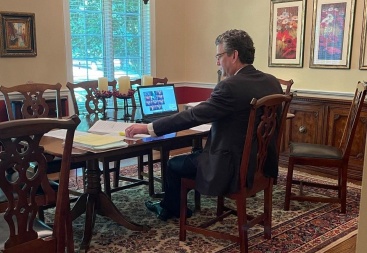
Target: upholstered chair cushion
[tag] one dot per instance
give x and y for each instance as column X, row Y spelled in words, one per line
column 314, row 151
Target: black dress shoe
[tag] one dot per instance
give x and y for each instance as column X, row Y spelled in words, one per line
column 162, row 213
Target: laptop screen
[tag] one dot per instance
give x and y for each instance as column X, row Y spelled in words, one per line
column 157, row 100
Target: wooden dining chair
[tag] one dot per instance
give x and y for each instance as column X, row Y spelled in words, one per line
column 21, row 230
column 326, row 156
column 85, row 93
column 267, row 111
column 34, row 106
column 34, row 102
column 96, row 106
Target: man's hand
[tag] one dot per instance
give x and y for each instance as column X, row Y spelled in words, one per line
column 136, row 129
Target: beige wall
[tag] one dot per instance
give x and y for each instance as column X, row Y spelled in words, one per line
column 205, row 19
column 49, row 65
column 170, row 39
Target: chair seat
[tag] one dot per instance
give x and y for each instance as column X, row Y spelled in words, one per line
column 314, row 151
column 41, row 228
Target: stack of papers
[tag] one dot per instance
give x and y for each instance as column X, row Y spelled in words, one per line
column 105, row 126
column 61, row 133
column 96, row 143
column 114, row 128
column 102, row 136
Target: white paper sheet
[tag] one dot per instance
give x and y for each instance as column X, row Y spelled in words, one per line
column 202, row 128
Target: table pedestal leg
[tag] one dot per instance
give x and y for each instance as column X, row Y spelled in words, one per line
column 93, row 202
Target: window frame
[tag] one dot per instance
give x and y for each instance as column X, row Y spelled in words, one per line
column 151, row 61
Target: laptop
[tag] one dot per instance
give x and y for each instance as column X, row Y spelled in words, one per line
column 157, row 101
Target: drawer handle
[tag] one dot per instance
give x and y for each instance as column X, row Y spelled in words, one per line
column 302, row 129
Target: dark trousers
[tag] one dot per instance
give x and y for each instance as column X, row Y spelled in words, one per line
column 183, row 166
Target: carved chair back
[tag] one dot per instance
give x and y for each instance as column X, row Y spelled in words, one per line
column 21, row 231
column 34, row 103
column 93, row 104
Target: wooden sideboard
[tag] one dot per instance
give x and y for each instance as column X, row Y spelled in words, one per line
column 321, row 120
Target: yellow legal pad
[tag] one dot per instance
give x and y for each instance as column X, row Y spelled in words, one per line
column 98, row 142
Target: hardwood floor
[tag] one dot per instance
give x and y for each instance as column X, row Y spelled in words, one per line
column 348, row 246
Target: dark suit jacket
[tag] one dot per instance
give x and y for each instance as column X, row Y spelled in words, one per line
column 228, row 110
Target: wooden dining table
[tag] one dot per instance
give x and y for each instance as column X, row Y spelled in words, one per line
column 94, row 201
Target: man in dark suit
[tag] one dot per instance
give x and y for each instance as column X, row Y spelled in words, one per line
column 216, row 168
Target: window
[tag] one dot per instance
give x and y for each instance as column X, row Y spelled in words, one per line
column 109, row 38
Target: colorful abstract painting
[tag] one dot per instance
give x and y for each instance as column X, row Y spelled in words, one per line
column 331, row 30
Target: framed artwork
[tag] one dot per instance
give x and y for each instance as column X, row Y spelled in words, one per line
column 286, row 33
column 18, row 34
column 332, row 30
column 363, row 54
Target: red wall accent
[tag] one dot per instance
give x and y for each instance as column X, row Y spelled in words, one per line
column 186, row 94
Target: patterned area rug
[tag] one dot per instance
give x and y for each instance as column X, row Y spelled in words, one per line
column 308, row 227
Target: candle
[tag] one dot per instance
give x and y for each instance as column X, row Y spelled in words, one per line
column 147, row 80
column 103, row 84
column 124, row 84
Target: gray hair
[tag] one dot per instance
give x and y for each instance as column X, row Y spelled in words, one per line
column 238, row 40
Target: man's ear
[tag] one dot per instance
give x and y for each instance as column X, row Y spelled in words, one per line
column 235, row 55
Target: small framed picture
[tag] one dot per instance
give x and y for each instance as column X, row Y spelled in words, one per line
column 332, row 30
column 18, row 34
column 286, row 33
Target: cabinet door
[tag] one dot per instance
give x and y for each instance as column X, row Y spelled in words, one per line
column 307, row 125
column 336, row 123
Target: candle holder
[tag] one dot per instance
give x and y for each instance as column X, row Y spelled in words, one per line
column 125, row 97
column 102, row 94
column 130, row 94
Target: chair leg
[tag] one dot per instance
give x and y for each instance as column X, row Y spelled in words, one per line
column 83, row 176
column 343, row 189
column 183, row 213
column 268, row 202
column 197, row 201
column 164, row 161
column 220, row 205
column 106, row 178
column 140, row 167
column 116, row 172
column 150, row 174
column 288, row 187
column 241, row 221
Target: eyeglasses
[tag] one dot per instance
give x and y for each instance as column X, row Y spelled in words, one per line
column 218, row 56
